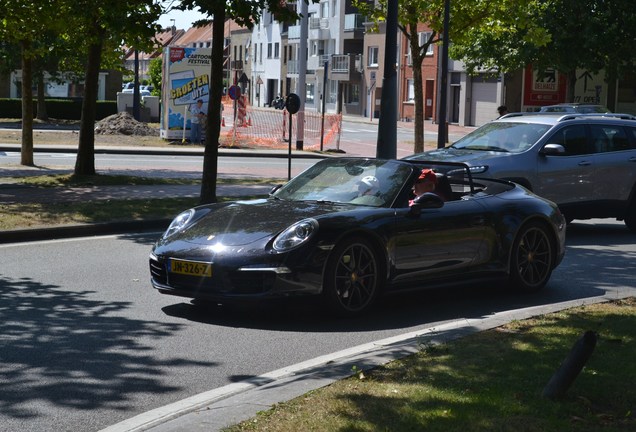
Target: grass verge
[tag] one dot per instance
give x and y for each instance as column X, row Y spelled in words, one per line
column 37, row 215
column 72, row 180
column 489, row 381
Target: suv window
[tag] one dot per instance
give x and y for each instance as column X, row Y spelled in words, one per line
column 632, row 137
column 505, row 137
column 573, row 139
column 608, row 138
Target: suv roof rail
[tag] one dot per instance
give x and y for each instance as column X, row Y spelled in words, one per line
column 520, row 114
column 619, row 116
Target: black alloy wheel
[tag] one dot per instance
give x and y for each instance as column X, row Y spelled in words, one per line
column 532, row 258
column 353, row 277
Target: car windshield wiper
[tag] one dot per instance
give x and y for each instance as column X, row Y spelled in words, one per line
column 483, row 148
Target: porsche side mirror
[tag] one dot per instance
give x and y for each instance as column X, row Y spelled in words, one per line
column 427, row 200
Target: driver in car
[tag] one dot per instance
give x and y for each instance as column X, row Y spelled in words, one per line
column 426, row 182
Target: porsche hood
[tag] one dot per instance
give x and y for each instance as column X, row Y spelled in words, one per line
column 243, row 222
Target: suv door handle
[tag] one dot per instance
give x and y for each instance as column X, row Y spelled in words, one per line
column 632, row 159
column 585, row 163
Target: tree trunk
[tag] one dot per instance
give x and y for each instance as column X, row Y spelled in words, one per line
column 569, row 97
column 85, row 162
column 41, row 111
column 26, row 155
column 213, row 128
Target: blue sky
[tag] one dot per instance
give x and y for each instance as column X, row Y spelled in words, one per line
column 183, row 19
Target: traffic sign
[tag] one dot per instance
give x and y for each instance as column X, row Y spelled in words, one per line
column 234, row 92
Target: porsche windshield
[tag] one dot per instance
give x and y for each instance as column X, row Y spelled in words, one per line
column 503, row 137
column 353, row 181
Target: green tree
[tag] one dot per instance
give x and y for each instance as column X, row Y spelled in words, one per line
column 23, row 23
column 575, row 34
column 155, row 72
column 245, row 13
column 102, row 27
column 467, row 17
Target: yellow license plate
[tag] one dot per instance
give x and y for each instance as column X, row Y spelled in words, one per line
column 191, row 268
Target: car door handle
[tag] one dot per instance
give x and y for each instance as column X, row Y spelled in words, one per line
column 585, row 163
column 632, row 159
column 478, row 221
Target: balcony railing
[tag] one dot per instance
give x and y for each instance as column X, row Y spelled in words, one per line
column 340, row 63
column 318, row 23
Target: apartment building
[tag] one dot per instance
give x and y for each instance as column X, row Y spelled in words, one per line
column 334, row 58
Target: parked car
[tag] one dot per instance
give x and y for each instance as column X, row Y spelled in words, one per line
column 142, row 92
column 574, row 108
column 586, row 163
column 316, row 236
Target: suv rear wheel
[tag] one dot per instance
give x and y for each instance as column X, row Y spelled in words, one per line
column 630, row 217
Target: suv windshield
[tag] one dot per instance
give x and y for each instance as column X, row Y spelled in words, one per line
column 503, row 137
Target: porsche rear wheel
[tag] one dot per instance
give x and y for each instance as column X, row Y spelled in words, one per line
column 531, row 259
column 353, row 277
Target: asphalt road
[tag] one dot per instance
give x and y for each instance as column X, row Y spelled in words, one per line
column 86, row 343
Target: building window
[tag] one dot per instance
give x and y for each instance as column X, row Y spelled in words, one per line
column 324, row 9
column 410, row 90
column 424, row 37
column 333, row 92
column 276, row 50
column 269, row 50
column 309, row 97
column 373, row 56
column 260, row 54
column 352, row 93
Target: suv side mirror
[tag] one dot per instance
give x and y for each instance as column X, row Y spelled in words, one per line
column 552, row 150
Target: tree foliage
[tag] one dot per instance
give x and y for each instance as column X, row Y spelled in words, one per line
column 562, row 34
column 246, row 13
column 103, row 27
column 469, row 18
column 23, row 24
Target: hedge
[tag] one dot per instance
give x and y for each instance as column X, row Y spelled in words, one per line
column 63, row 109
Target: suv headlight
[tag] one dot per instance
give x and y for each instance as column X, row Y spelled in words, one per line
column 179, row 223
column 295, row 235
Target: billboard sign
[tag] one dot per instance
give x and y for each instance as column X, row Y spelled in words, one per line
column 188, row 79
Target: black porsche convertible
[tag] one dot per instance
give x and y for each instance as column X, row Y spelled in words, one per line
column 348, row 230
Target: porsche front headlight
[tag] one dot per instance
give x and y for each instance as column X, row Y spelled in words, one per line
column 295, row 235
column 179, row 222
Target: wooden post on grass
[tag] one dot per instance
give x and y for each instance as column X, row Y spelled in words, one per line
column 571, row 366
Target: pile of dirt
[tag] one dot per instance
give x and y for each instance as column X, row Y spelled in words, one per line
column 123, row 123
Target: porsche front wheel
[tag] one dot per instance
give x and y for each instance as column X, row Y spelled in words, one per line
column 353, row 277
column 531, row 258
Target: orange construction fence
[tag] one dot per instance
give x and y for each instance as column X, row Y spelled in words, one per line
column 246, row 126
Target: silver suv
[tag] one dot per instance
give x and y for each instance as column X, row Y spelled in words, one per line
column 586, row 163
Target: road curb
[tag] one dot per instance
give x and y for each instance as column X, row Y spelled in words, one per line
column 70, row 231
column 185, row 151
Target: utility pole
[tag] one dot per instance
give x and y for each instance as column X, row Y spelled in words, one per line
column 387, row 126
column 301, row 89
column 442, row 132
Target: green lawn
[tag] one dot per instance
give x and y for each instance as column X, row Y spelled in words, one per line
column 489, row 381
